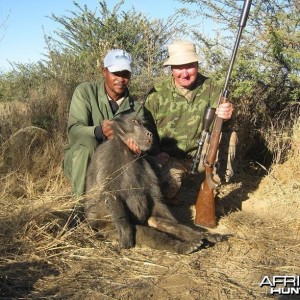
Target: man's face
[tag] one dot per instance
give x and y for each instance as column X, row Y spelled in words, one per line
column 116, row 83
column 185, row 75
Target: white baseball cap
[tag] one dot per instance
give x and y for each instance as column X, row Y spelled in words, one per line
column 117, row 60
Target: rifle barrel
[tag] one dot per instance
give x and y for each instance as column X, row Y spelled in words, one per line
column 242, row 24
column 245, row 13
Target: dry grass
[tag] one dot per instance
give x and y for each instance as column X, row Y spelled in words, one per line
column 44, row 256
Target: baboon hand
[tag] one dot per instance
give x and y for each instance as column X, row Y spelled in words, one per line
column 189, row 246
column 211, row 237
column 205, row 240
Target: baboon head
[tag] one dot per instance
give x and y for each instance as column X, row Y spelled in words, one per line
column 129, row 127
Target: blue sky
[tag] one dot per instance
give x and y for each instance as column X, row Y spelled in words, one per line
column 21, row 39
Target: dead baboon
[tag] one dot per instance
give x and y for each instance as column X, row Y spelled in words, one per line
column 123, row 189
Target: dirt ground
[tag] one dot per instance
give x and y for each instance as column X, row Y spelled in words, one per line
column 43, row 258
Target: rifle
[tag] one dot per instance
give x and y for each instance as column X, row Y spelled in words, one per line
column 209, row 115
column 205, row 204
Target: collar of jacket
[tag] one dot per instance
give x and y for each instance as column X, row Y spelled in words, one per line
column 196, row 87
column 127, row 104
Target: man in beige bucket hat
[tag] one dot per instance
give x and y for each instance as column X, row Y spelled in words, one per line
column 177, row 106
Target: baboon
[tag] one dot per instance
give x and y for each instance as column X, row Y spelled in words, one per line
column 123, row 189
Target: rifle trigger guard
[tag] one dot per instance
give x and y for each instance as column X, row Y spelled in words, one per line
column 208, row 165
column 217, row 165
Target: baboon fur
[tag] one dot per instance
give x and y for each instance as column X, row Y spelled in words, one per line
column 122, row 189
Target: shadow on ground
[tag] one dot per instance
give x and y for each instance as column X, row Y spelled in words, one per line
column 229, row 197
column 17, row 279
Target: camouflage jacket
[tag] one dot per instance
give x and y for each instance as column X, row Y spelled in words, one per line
column 178, row 120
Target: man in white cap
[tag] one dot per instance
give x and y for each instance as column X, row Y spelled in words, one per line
column 177, row 106
column 92, row 107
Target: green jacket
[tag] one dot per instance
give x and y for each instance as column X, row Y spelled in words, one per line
column 90, row 107
column 179, row 121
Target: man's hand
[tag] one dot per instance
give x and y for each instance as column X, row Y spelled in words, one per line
column 133, row 146
column 106, row 129
column 108, row 133
column 225, row 110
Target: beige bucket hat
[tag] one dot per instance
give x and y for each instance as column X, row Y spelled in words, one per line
column 181, row 53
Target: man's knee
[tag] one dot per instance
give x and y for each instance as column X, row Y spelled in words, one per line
column 172, row 176
column 81, row 156
column 86, row 145
column 81, row 150
column 76, row 161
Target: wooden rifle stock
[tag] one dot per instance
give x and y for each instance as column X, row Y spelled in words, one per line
column 205, row 204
